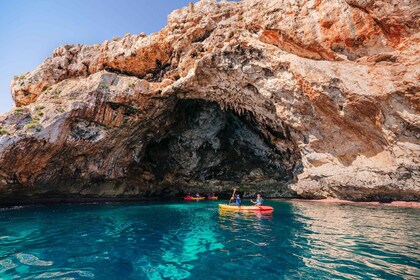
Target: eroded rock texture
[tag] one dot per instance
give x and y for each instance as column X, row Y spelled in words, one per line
column 291, row 98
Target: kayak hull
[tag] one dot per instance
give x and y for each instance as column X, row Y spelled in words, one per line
column 246, row 208
column 213, row 198
column 194, row 198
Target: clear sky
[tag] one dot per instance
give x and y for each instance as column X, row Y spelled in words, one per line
column 31, row 29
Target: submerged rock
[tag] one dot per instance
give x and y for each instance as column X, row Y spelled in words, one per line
column 305, row 99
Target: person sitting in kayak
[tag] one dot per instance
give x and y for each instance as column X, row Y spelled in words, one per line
column 197, row 195
column 188, row 195
column 258, row 201
column 237, row 200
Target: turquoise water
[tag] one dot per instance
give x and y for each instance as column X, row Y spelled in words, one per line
column 300, row 240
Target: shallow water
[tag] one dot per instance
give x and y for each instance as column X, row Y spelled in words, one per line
column 300, row 240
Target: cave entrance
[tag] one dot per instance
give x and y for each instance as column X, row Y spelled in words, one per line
column 204, row 143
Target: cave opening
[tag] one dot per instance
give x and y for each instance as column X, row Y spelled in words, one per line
column 204, row 143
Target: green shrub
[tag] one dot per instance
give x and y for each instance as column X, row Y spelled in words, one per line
column 3, row 131
column 39, row 107
column 21, row 77
column 131, row 85
column 47, row 89
column 103, row 86
column 40, row 113
column 19, row 111
column 32, row 124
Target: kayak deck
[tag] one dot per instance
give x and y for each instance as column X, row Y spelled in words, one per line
column 247, row 208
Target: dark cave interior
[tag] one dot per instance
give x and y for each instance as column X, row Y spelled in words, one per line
column 205, row 142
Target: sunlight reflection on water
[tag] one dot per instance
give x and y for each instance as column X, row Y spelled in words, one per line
column 345, row 236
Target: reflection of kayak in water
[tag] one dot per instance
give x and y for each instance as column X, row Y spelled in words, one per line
column 194, row 198
column 213, row 197
column 262, row 208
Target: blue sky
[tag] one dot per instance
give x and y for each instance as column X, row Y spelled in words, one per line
column 31, row 29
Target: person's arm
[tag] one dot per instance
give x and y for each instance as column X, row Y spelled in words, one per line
column 233, row 196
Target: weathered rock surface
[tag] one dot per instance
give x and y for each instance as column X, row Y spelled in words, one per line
column 292, row 98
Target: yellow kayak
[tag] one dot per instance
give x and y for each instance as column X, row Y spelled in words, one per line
column 247, row 208
column 213, row 198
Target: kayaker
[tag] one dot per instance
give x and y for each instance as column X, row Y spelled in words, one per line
column 233, row 195
column 238, row 200
column 258, row 201
column 197, row 195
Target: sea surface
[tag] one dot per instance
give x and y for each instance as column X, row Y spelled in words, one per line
column 193, row 240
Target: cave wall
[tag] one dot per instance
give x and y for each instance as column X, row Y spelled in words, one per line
column 192, row 146
column 206, row 143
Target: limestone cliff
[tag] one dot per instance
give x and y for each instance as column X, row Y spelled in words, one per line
column 291, row 98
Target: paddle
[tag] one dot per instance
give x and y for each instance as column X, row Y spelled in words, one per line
column 232, row 197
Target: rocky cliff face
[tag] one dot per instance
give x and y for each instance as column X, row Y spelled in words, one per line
column 291, row 98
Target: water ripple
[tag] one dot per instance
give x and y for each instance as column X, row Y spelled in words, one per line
column 195, row 240
column 29, row 259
